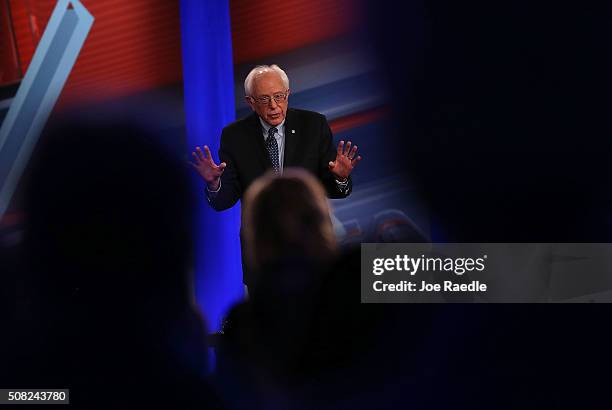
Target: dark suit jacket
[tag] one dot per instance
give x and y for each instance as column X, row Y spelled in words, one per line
column 308, row 144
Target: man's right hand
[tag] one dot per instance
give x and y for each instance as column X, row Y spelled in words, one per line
column 206, row 167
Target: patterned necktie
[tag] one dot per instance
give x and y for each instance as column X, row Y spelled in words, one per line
column 272, row 147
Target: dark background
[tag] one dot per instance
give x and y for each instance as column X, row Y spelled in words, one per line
column 502, row 115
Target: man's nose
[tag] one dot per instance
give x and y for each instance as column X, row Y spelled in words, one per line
column 273, row 103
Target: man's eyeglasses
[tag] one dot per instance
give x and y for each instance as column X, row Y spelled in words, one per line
column 265, row 99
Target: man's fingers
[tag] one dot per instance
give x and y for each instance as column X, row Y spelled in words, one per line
column 351, row 154
column 340, row 147
column 196, row 158
column 331, row 164
column 200, row 154
column 347, row 149
column 208, row 154
column 356, row 160
column 222, row 166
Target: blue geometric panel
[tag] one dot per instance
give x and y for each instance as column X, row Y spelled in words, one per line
column 51, row 64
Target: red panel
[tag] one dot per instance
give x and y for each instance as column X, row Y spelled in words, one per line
column 266, row 27
column 132, row 46
column 9, row 64
column 135, row 44
column 23, row 32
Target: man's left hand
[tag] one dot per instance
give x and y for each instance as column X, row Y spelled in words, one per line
column 346, row 160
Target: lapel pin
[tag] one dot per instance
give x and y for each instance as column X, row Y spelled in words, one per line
column 293, row 131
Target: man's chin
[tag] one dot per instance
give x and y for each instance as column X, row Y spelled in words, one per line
column 274, row 121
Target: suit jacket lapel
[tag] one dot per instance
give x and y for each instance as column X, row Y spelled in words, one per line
column 291, row 138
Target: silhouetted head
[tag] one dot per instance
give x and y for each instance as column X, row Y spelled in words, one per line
column 108, row 211
column 286, row 216
column 108, row 240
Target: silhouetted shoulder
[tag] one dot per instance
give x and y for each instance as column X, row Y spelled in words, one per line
column 238, row 129
column 241, row 124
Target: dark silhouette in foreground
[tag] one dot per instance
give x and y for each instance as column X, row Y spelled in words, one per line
column 108, row 309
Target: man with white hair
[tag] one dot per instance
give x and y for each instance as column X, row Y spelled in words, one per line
column 273, row 137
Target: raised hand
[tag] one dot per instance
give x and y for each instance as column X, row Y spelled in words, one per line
column 345, row 161
column 206, row 167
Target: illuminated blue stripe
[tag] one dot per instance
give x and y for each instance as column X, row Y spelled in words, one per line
column 51, row 64
column 209, row 106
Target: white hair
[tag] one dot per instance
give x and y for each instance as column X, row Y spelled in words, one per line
column 261, row 69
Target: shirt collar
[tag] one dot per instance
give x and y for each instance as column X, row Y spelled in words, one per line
column 266, row 126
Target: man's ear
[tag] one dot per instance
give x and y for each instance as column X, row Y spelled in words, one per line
column 249, row 101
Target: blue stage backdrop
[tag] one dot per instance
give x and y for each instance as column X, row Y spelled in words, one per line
column 209, row 105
